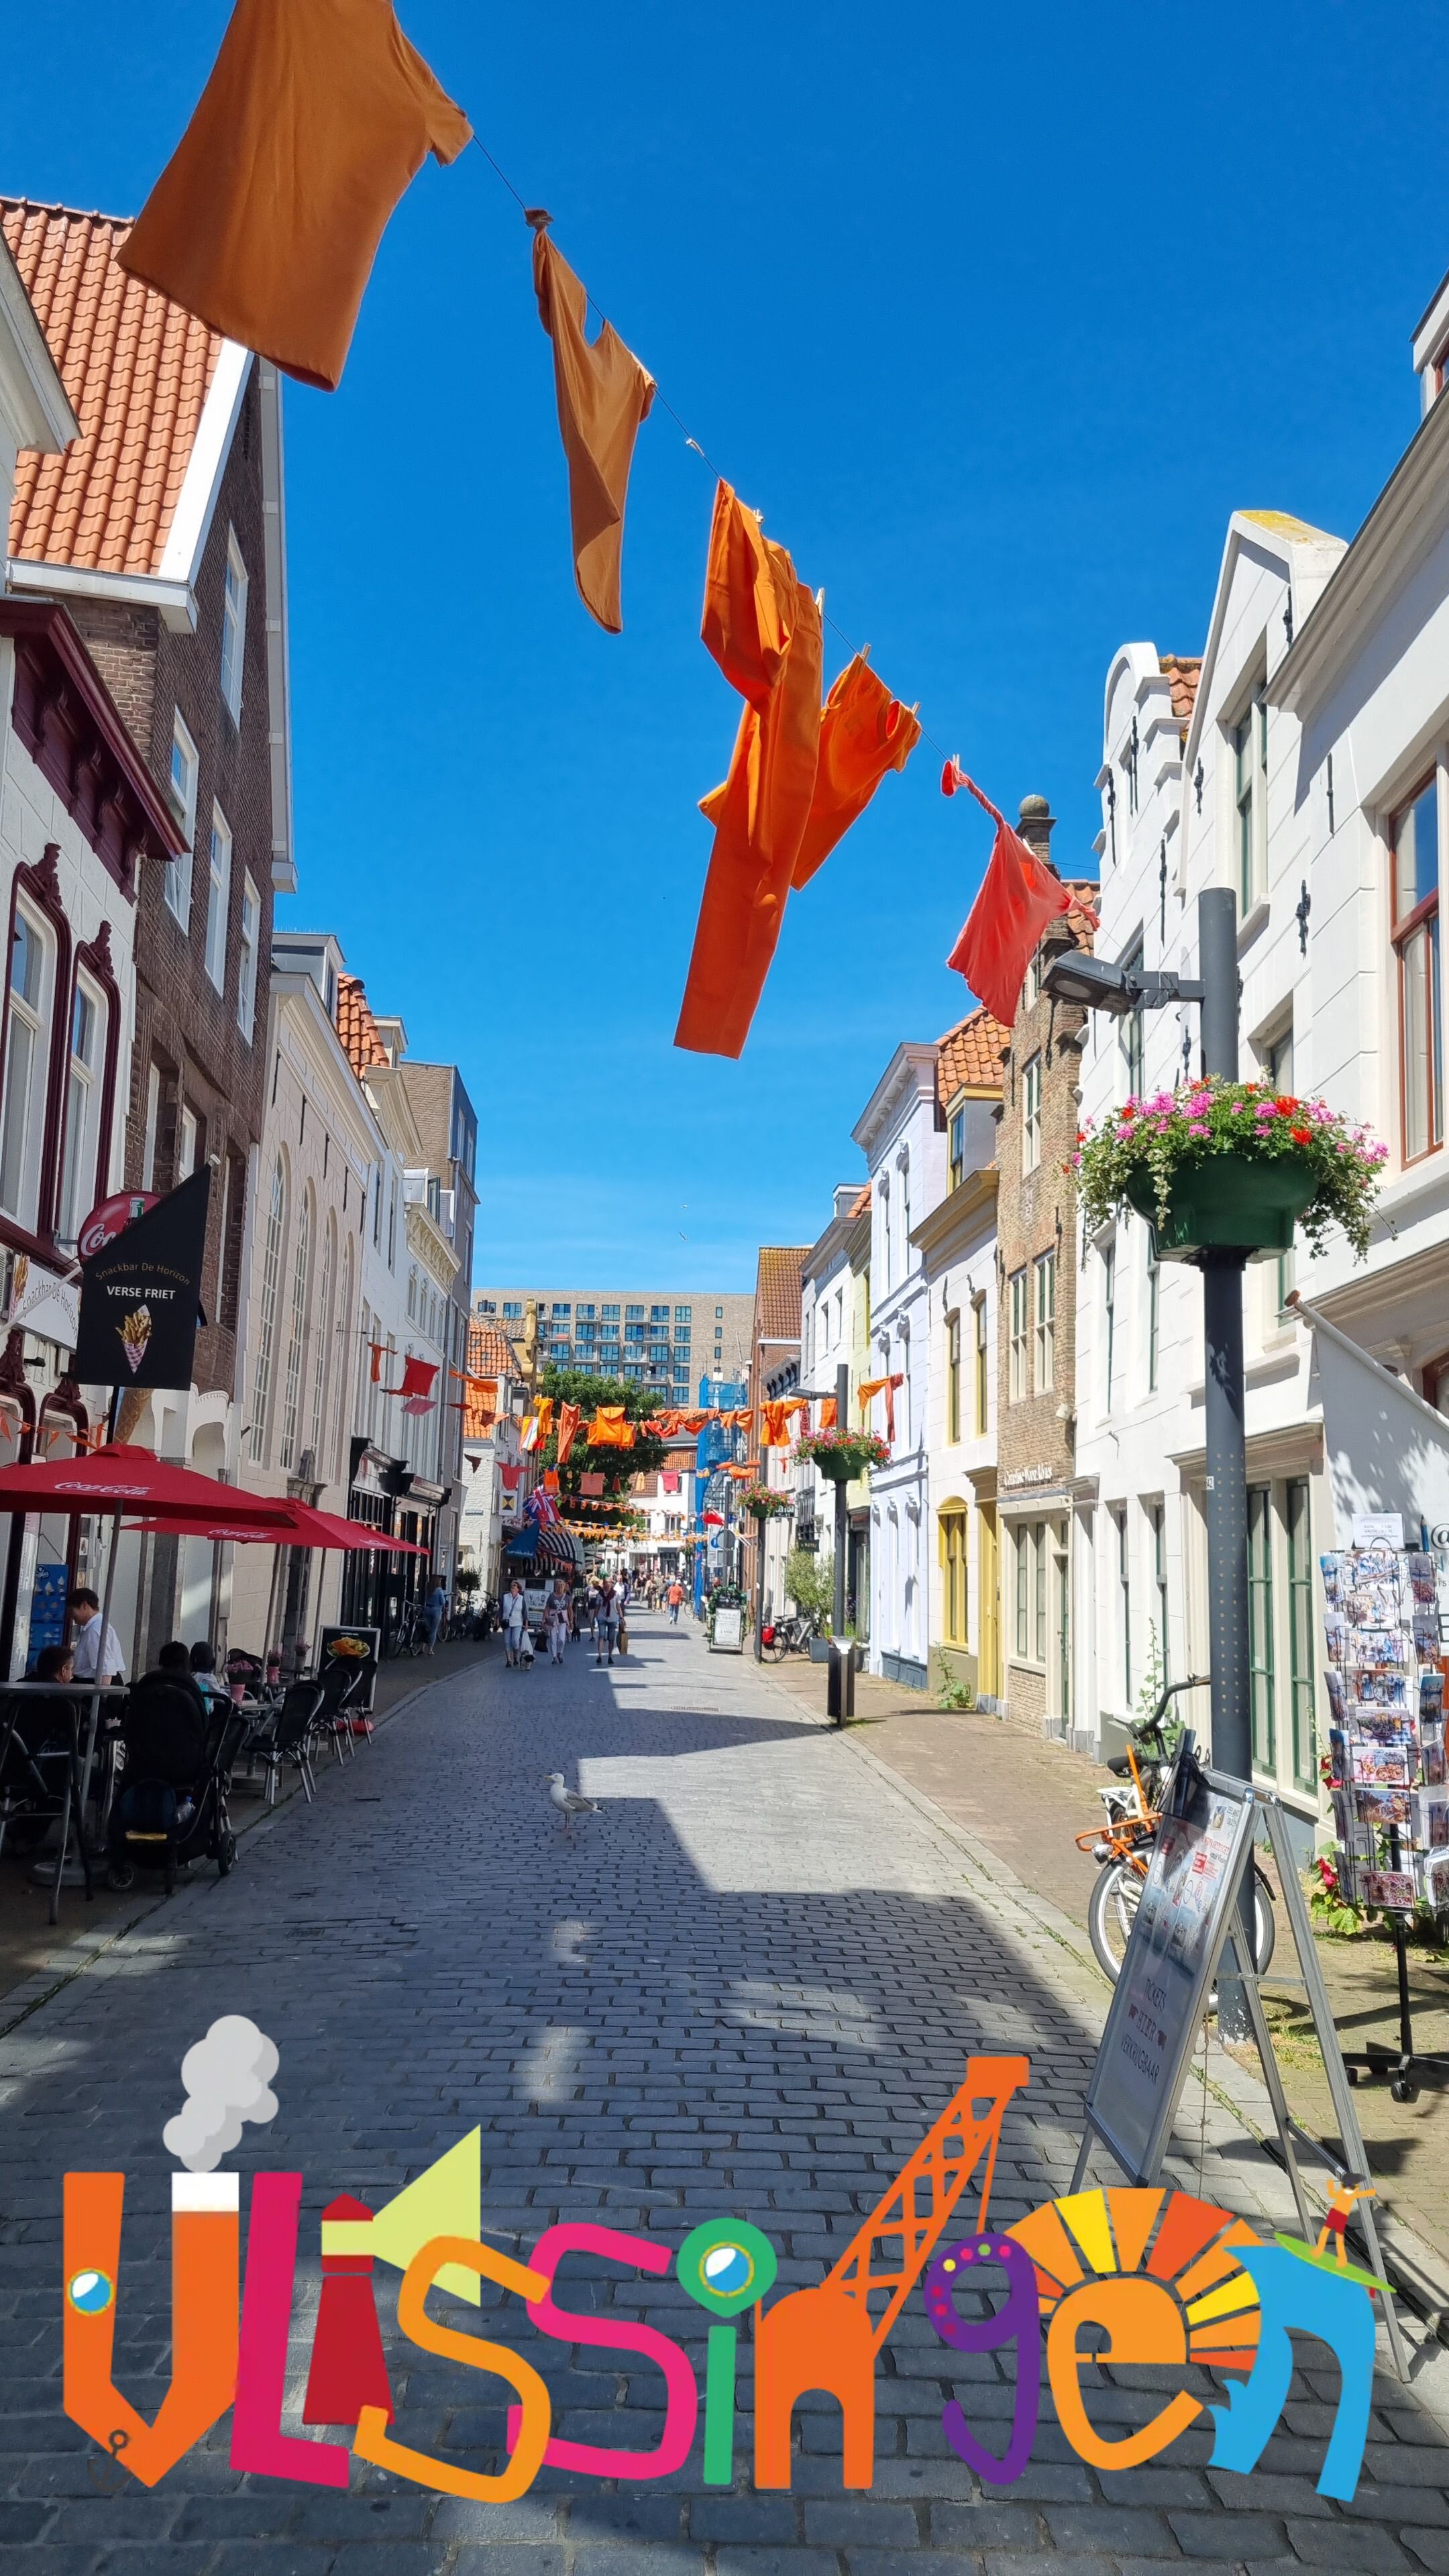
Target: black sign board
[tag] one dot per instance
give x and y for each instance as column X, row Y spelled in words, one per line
column 141, row 1295
column 357, row 1648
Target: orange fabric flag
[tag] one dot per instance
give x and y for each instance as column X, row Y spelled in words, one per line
column 267, row 217
column 603, row 395
column 609, row 1429
column 772, row 1427
column 1020, row 894
column 763, row 628
column 864, row 731
column 829, row 1414
column 885, row 1386
column 568, row 1425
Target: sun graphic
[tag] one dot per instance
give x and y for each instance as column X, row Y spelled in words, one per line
column 1189, row 2292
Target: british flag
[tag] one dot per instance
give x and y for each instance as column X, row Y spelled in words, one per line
column 541, row 1507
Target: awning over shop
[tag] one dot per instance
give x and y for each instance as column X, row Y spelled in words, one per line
column 545, row 1543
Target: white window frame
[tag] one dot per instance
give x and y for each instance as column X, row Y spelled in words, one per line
column 153, row 1123
column 1018, row 1362
column 34, row 1016
column 1044, row 1321
column 246, row 973
column 233, row 627
column 188, row 1139
column 1031, row 1113
column 218, row 897
column 80, row 1140
column 1249, row 738
column 178, row 871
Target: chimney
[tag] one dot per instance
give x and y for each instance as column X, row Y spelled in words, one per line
column 1036, row 824
column 846, row 1194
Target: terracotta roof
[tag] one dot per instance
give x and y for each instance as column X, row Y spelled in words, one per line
column 356, row 1026
column 1184, row 670
column 1081, row 913
column 490, row 1354
column 968, row 1057
column 777, row 1291
column 859, row 1205
column 137, row 370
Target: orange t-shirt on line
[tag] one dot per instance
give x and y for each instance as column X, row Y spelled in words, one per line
column 266, row 219
column 603, row 395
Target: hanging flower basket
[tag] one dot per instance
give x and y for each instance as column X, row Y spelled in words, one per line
column 766, row 1502
column 841, row 1455
column 1231, row 1166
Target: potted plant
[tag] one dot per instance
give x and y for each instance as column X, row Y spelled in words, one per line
column 1235, row 1166
column 841, row 1455
column 766, row 1502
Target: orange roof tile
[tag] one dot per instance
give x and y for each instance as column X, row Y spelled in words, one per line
column 137, row 370
column 490, row 1354
column 777, row 1291
column 1184, row 670
column 859, row 1205
column 356, row 1026
column 1081, row 912
column 968, row 1057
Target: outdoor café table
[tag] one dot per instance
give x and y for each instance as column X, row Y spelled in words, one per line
column 85, row 1726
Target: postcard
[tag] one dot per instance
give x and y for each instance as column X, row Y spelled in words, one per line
column 1391, row 1888
column 1384, row 1806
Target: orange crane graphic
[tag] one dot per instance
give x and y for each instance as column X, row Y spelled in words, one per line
column 827, row 2338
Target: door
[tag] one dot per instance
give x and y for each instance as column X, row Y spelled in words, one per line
column 988, row 1660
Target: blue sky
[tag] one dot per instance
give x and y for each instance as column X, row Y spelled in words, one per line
column 995, row 314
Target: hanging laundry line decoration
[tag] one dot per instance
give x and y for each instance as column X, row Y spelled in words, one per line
column 885, row 1386
column 266, row 220
column 603, row 396
column 1019, row 895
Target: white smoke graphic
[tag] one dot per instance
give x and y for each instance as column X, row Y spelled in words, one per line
column 227, row 2077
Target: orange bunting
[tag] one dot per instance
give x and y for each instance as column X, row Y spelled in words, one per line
column 568, row 1425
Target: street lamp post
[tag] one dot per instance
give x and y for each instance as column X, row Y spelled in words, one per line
column 1097, row 984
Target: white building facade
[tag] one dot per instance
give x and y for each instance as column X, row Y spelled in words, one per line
column 1310, row 774
column 899, row 1132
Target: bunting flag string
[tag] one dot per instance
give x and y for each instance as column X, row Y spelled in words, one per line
column 265, row 223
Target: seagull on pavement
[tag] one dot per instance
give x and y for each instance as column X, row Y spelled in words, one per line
column 569, row 1802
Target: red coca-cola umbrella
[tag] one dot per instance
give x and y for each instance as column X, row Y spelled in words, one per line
column 135, row 1482
column 301, row 1525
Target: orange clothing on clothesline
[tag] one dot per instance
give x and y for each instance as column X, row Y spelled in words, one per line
column 266, row 219
column 864, row 731
column 829, row 1414
column 763, row 628
column 774, row 1434
column 603, row 395
column 885, row 1386
column 610, row 1430
column 568, row 1425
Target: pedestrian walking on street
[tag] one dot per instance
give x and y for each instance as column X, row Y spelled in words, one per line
column 606, row 1626
column 556, row 1621
column 676, row 1597
column 437, row 1607
column 515, row 1620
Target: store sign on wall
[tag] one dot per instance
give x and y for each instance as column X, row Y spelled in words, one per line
column 1153, row 2277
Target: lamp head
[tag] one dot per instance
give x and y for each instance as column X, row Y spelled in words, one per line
column 1075, row 975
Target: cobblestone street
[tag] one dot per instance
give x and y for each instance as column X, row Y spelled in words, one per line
column 747, row 1987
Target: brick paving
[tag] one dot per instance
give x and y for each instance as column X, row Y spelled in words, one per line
column 748, row 1986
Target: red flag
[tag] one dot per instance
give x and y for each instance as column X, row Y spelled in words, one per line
column 1019, row 895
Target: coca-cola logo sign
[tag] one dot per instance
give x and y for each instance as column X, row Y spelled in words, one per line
column 112, row 1218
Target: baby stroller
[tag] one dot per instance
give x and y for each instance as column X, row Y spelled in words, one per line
column 160, row 1821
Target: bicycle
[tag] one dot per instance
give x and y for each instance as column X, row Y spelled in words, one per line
column 782, row 1637
column 1124, row 1851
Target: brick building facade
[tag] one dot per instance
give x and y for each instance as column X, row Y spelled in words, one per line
column 1036, row 1307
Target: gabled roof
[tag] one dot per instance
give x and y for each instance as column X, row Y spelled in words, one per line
column 356, row 1026
column 138, row 372
column 490, row 1353
column 858, row 1206
column 969, row 1056
column 777, row 1291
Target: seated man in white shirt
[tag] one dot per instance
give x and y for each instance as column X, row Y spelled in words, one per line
column 97, row 1652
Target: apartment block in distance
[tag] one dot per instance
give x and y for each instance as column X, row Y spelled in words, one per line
column 668, row 1340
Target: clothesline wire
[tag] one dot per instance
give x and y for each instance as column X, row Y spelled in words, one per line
column 666, row 405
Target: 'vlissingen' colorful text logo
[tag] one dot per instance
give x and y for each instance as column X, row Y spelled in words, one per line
column 1152, row 2277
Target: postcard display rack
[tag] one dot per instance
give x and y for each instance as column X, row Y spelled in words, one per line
column 1390, row 1792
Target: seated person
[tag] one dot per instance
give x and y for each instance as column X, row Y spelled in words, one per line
column 202, row 1660
column 165, row 1725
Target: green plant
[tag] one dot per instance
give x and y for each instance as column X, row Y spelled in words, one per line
column 766, row 1502
column 954, row 1693
column 1154, row 1676
column 1327, row 1903
column 591, row 1394
column 810, row 1583
column 1173, row 1131
column 466, row 1580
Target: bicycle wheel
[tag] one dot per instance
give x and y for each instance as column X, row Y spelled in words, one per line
column 1112, row 1913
